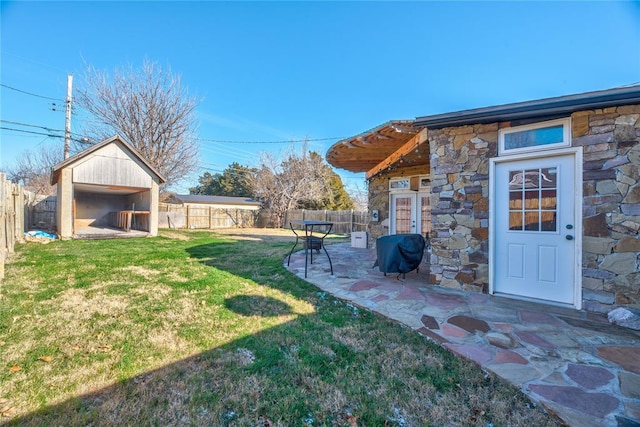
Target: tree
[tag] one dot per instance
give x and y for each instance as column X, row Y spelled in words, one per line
column 33, row 169
column 298, row 181
column 336, row 198
column 148, row 107
column 233, row 181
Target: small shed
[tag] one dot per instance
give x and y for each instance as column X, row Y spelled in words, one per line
column 106, row 190
column 202, row 211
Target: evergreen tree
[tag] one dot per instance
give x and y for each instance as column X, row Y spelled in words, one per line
column 233, row 181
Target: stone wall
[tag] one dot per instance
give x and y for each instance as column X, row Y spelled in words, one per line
column 611, row 209
column 379, row 200
column 460, row 205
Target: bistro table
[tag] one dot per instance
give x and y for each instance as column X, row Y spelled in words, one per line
column 309, row 241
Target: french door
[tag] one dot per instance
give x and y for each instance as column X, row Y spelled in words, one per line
column 409, row 213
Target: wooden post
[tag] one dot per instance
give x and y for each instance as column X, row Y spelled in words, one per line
column 351, row 218
column 3, row 218
column 210, row 214
column 73, row 215
column 20, row 224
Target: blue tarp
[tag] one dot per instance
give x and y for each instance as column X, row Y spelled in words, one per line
column 41, row 234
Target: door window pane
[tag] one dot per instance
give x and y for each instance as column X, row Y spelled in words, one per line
column 515, row 220
column 548, row 221
column 531, row 221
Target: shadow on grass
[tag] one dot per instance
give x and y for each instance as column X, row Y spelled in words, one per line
column 335, row 366
column 256, row 305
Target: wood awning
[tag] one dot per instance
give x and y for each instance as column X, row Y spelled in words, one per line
column 393, row 145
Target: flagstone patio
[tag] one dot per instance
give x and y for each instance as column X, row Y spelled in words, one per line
column 577, row 365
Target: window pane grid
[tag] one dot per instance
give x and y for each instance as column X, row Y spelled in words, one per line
column 403, row 215
column 533, row 199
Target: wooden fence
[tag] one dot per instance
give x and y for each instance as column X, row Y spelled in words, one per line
column 204, row 217
column 11, row 218
column 344, row 222
column 40, row 212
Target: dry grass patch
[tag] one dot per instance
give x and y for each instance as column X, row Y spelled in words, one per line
column 141, row 271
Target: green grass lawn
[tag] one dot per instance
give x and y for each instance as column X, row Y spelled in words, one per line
column 201, row 328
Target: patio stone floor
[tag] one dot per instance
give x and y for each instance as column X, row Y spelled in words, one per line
column 577, row 365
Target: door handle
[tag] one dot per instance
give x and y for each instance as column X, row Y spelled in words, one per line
column 568, row 237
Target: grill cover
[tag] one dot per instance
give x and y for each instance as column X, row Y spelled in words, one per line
column 399, row 253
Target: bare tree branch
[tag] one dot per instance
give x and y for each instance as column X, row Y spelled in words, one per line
column 289, row 184
column 151, row 109
column 33, row 169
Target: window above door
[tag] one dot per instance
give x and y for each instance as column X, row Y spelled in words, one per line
column 535, row 137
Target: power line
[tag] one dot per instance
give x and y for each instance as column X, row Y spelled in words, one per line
column 272, row 142
column 32, row 94
column 42, row 133
column 37, row 126
column 32, row 126
column 32, row 132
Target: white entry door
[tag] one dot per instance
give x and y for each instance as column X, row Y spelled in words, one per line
column 535, row 231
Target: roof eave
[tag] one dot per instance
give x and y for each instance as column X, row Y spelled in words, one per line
column 548, row 107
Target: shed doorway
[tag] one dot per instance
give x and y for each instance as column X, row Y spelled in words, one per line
column 109, row 211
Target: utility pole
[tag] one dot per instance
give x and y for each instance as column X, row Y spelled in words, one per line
column 67, row 122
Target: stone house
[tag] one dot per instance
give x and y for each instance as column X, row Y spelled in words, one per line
column 104, row 189
column 536, row 200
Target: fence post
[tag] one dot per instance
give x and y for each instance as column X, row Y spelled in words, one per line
column 303, row 212
column 351, row 220
column 3, row 228
column 19, row 203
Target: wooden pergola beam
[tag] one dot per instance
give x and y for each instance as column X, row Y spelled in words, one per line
column 406, row 148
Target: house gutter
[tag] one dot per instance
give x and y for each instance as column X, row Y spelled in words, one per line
column 544, row 108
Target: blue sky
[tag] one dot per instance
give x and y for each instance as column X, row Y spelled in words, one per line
column 283, row 71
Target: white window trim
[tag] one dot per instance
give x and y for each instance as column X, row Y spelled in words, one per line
column 566, row 136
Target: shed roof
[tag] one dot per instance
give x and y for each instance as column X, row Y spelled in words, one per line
column 55, row 170
column 546, row 108
column 216, row 200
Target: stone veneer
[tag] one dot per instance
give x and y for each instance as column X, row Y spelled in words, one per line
column 378, row 199
column 610, row 139
column 460, row 205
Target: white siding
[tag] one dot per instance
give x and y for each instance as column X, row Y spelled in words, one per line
column 111, row 166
